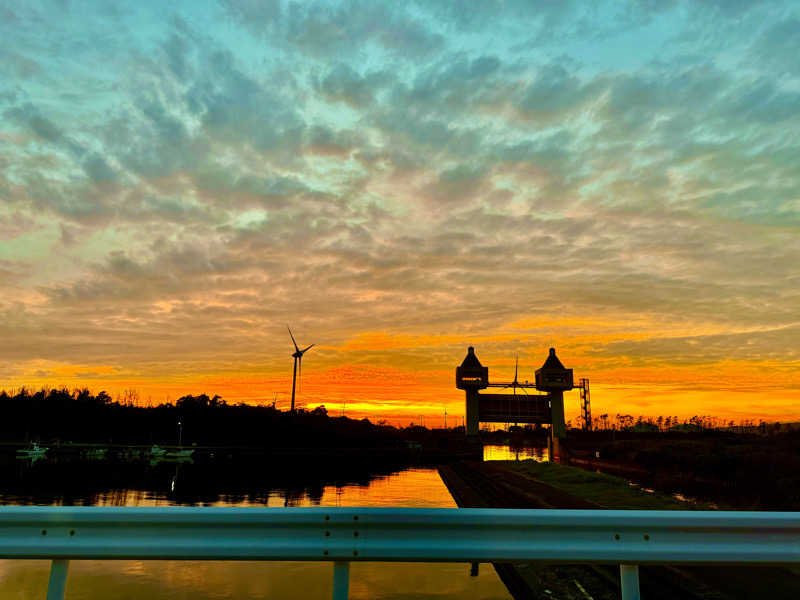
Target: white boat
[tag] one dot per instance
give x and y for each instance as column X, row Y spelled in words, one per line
column 179, row 454
column 157, row 452
column 96, row 453
column 33, row 452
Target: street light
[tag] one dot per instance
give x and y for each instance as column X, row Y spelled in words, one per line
column 180, row 432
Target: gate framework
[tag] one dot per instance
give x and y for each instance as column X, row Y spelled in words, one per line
column 552, row 377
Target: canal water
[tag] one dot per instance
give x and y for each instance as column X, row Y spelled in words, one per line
column 256, row 485
column 497, row 452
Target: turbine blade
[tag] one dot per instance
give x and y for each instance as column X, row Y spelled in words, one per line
column 295, row 343
column 309, row 348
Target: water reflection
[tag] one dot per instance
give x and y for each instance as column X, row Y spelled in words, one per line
column 537, row 453
column 209, row 483
column 185, row 580
column 254, row 484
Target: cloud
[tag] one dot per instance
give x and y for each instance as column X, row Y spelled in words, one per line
column 749, row 346
column 325, row 29
column 18, row 65
column 321, row 29
column 344, row 84
column 256, row 15
column 774, row 48
column 424, row 170
column 14, row 225
column 29, row 117
column 554, row 92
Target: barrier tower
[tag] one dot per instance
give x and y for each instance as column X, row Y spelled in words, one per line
column 471, row 377
column 554, row 379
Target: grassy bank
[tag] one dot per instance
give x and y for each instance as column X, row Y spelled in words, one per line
column 745, row 471
column 528, row 484
column 605, row 490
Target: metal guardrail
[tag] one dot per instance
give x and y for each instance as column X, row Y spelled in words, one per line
column 342, row 535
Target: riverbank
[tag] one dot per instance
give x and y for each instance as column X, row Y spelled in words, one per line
column 408, row 453
column 746, row 471
column 530, row 484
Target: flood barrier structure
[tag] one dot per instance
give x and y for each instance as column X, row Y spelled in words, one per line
column 544, row 409
column 342, row 535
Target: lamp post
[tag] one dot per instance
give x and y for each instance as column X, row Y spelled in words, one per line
column 180, row 432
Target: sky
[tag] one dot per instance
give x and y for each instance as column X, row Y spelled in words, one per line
column 398, row 181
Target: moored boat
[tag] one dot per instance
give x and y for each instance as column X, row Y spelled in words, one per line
column 179, row 453
column 156, row 452
column 35, row 451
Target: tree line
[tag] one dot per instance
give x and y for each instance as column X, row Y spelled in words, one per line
column 61, row 415
column 624, row 422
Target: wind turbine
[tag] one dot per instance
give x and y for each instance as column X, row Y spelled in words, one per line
column 298, row 364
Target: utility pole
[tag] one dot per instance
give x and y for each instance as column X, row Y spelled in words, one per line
column 445, row 418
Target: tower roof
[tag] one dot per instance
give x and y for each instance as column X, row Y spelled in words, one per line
column 471, row 360
column 552, row 361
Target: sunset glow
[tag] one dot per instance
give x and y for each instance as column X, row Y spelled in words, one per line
column 398, row 181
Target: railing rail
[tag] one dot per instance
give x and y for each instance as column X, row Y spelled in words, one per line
column 342, row 535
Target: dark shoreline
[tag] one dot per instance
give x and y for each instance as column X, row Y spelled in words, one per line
column 514, row 484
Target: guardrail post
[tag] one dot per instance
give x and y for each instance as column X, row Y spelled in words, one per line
column 58, row 579
column 629, row 578
column 341, row 580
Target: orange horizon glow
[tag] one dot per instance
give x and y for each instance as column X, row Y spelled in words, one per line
column 727, row 390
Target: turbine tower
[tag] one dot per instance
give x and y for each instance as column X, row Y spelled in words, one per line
column 298, row 364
